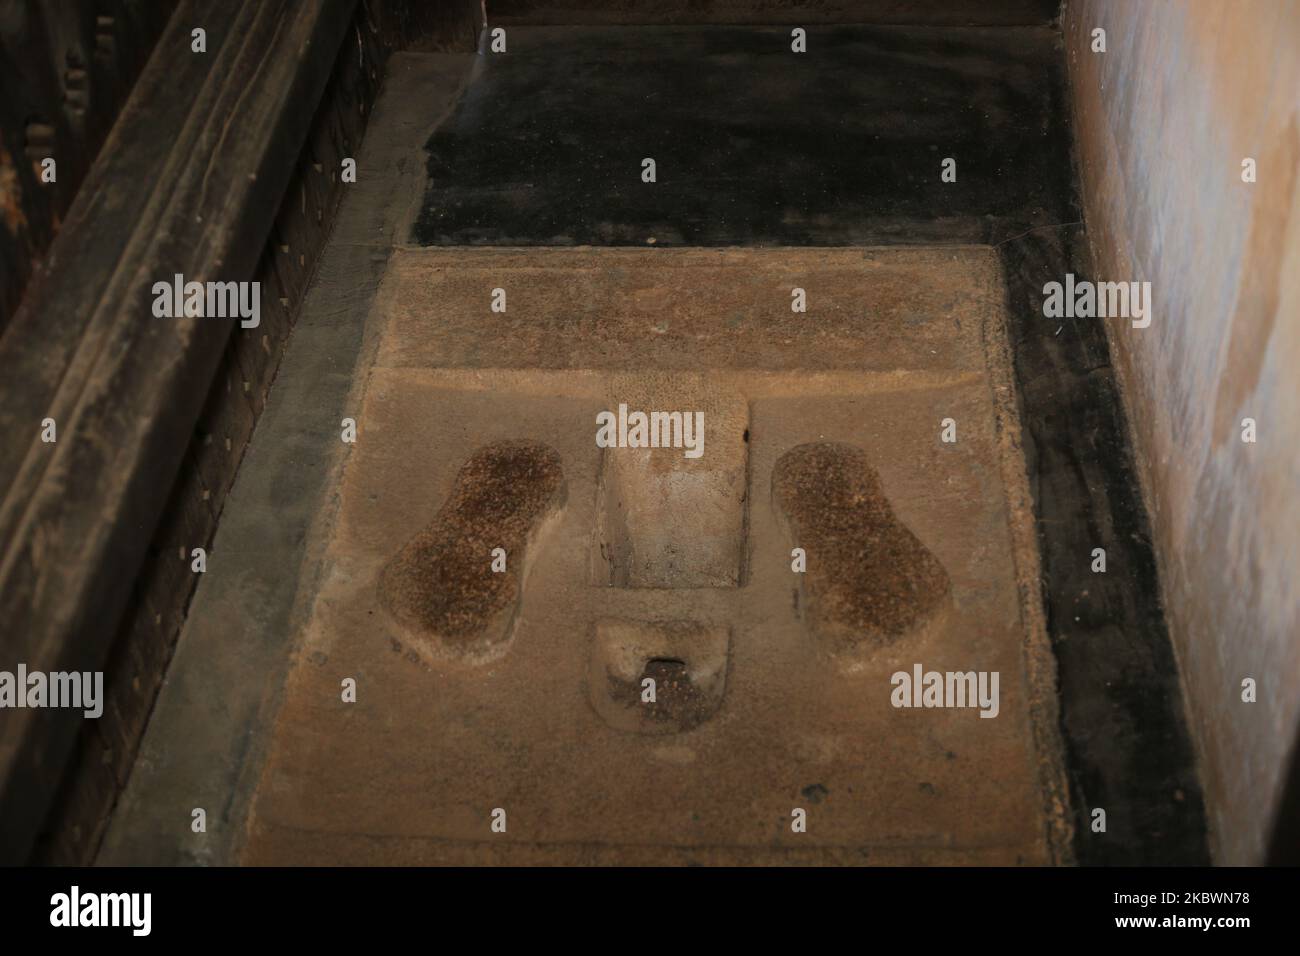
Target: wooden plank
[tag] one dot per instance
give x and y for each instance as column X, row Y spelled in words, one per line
column 315, row 375
column 205, row 138
column 66, row 70
column 994, row 13
column 143, row 647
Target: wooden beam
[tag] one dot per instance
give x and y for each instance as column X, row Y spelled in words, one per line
column 188, row 182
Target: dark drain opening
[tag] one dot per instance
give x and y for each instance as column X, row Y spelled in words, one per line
column 677, row 699
column 686, row 660
column 672, row 683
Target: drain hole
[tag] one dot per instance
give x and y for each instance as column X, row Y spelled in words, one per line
column 677, row 700
column 686, row 661
column 672, row 683
column 664, row 663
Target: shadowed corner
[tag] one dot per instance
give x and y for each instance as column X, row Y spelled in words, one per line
column 1284, row 844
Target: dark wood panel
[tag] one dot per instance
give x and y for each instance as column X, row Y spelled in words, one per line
column 66, row 69
column 758, row 12
column 205, row 138
column 161, row 595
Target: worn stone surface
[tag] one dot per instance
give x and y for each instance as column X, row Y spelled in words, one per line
column 413, row 770
column 686, row 661
column 695, row 309
column 832, row 149
column 1117, row 677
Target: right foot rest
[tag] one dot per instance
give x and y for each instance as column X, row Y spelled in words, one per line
column 870, row 584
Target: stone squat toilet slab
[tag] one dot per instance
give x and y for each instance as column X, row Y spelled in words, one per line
column 836, row 507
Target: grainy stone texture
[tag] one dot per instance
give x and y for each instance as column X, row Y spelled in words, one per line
column 441, row 586
column 686, row 660
column 695, row 309
column 869, row 583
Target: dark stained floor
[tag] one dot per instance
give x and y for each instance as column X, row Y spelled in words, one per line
column 753, row 144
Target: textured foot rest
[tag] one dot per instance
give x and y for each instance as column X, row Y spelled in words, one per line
column 870, row 583
column 456, row 585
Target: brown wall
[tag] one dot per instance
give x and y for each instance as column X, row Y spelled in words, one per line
column 1185, row 90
